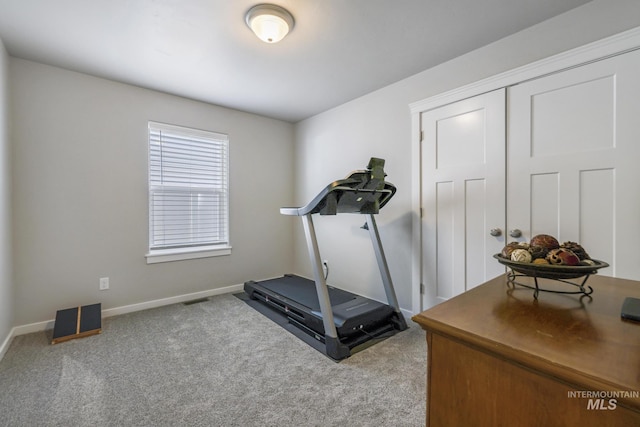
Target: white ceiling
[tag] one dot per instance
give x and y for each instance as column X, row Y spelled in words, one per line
column 202, row 49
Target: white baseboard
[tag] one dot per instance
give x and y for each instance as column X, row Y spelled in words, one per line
column 171, row 300
column 7, row 341
column 408, row 314
column 48, row 324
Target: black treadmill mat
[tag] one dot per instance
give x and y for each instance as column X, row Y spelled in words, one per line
column 281, row 320
column 303, row 291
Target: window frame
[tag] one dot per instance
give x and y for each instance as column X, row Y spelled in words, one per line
column 160, row 254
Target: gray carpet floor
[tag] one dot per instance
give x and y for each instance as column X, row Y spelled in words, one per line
column 213, row 363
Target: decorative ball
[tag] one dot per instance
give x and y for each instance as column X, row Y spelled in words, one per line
column 521, row 255
column 561, row 256
column 545, row 241
column 540, row 261
column 576, row 249
column 538, row 252
column 509, row 248
column 588, row 262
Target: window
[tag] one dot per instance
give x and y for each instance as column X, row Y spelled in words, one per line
column 188, row 193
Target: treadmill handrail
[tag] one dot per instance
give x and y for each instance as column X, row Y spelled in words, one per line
column 338, row 188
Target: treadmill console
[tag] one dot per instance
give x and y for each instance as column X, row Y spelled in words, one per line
column 362, row 192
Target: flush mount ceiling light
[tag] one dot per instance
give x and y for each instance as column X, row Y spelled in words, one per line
column 269, row 22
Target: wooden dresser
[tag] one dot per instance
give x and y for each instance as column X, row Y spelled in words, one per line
column 498, row 357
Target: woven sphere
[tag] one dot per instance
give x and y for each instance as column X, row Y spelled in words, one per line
column 521, row 255
column 512, row 246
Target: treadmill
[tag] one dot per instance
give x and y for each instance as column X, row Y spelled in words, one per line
column 340, row 320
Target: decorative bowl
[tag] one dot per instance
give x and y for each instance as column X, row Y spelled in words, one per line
column 550, row 271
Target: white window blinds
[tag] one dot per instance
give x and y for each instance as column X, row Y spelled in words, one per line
column 188, row 187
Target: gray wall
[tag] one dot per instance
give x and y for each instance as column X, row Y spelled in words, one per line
column 379, row 124
column 80, row 193
column 6, row 279
column 79, row 164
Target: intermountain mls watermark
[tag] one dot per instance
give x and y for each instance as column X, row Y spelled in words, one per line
column 602, row 400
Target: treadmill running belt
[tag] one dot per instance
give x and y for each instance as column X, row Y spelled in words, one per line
column 303, row 291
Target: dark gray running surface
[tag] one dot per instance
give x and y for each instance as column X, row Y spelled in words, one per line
column 304, row 292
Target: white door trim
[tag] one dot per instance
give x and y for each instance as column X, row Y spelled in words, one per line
column 610, row 46
column 614, row 45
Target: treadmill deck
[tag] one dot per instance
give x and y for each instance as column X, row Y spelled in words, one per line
column 304, row 291
column 352, row 314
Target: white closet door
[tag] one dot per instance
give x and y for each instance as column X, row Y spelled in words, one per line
column 573, row 160
column 463, row 194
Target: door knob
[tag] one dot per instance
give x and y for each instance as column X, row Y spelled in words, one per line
column 515, row 233
column 495, row 232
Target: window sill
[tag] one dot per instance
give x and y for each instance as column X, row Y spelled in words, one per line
column 168, row 255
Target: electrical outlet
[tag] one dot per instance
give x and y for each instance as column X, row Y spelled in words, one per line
column 104, row 283
column 325, row 267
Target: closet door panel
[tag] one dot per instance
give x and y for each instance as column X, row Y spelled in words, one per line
column 571, row 117
column 572, row 159
column 476, row 220
column 545, row 196
column 463, row 194
column 597, row 204
column 445, row 240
